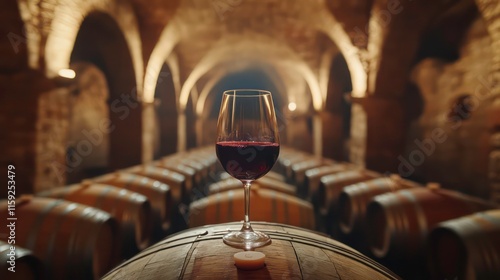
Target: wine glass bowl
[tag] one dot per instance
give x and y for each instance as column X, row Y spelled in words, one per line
column 247, row 146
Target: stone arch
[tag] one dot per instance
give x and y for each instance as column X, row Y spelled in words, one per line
column 251, row 50
column 65, row 24
column 109, row 51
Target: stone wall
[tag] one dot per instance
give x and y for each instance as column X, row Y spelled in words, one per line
column 450, row 142
column 23, row 127
column 51, row 139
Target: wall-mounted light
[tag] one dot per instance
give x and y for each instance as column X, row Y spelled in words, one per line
column 67, row 73
column 292, row 106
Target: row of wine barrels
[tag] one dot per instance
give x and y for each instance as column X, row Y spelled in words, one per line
column 326, row 197
column 268, row 205
column 354, row 199
column 264, row 182
column 400, row 221
column 17, row 262
column 332, row 185
column 132, row 211
column 295, row 253
column 193, row 178
column 288, row 157
column 180, row 189
column 298, row 169
column 312, row 178
column 203, row 160
column 223, row 175
column 467, row 247
column 275, row 176
column 157, row 193
column 72, row 240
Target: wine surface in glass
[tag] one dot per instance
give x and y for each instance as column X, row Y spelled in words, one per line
column 246, row 160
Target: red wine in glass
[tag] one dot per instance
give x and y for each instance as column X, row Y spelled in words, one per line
column 247, row 160
column 247, row 147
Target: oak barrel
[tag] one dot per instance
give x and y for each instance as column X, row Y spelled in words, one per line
column 466, row 247
column 17, row 262
column 266, row 183
column 354, row 199
column 72, row 240
column 202, row 160
column 313, row 176
column 195, row 178
column 266, row 205
column 295, row 253
column 326, row 197
column 298, row 169
column 286, row 159
column 157, row 193
column 400, row 221
column 180, row 190
column 131, row 210
column 179, row 187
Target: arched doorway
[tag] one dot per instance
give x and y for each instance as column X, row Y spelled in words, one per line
column 101, row 43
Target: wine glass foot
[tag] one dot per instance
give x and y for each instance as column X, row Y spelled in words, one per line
column 246, row 239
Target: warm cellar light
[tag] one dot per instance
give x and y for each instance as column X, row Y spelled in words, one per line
column 292, row 106
column 67, row 73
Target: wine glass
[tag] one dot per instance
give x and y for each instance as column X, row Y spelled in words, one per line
column 247, row 147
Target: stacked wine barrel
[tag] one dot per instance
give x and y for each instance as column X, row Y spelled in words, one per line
column 85, row 229
column 409, row 227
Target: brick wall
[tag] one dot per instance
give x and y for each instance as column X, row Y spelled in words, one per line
column 22, row 124
column 51, row 139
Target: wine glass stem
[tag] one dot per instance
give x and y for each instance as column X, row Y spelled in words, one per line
column 246, row 223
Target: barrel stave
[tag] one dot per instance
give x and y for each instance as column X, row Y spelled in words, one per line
column 467, row 247
column 157, row 193
column 295, row 253
column 132, row 210
column 72, row 240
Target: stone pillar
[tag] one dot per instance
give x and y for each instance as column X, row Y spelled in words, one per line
column 150, row 136
column 332, row 138
column 378, row 132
